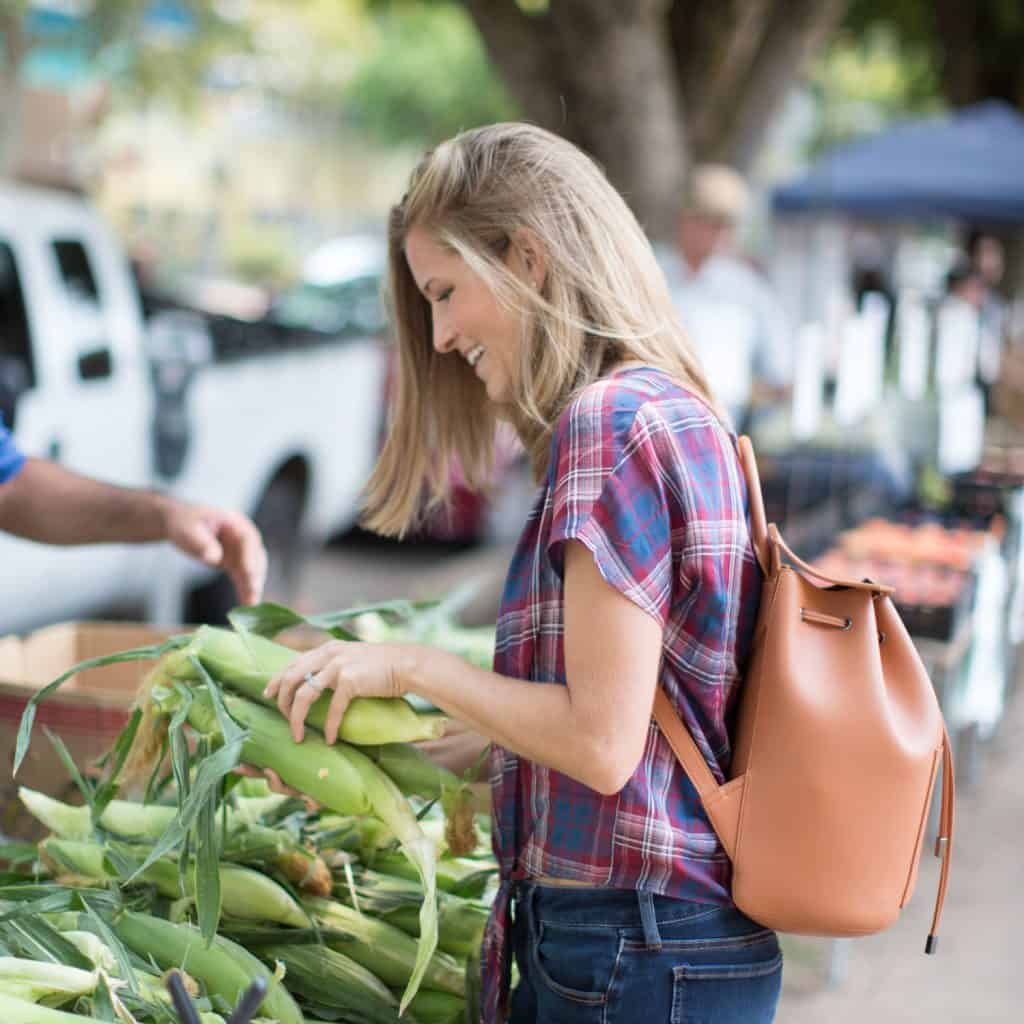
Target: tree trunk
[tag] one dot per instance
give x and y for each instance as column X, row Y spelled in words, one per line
column 600, row 73
column 646, row 85
column 980, row 52
column 735, row 64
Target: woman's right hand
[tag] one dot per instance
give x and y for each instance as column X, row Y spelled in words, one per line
column 274, row 781
column 459, row 750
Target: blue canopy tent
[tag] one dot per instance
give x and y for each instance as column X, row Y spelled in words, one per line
column 967, row 165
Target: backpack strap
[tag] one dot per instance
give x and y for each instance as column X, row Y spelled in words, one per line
column 755, row 501
column 722, row 803
column 944, row 842
column 778, row 544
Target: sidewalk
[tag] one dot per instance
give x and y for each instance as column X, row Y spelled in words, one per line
column 977, row 974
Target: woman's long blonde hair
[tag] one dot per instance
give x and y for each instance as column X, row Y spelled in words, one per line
column 604, row 300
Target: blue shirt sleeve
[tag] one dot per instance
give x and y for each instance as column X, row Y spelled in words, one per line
column 11, row 460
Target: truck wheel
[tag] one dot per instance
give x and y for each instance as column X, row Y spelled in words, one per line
column 278, row 516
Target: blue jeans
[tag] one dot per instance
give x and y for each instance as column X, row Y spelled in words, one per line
column 614, row 956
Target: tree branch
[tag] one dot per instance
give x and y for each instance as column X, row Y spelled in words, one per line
column 746, row 104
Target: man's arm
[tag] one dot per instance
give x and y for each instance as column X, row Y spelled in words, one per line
column 46, row 503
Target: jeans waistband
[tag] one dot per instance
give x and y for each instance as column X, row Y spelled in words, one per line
column 599, row 907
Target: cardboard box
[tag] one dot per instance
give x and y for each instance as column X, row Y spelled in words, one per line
column 87, row 712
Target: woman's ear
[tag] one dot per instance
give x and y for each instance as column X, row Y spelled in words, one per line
column 531, row 255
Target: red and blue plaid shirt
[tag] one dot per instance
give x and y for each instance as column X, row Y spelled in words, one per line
column 645, row 476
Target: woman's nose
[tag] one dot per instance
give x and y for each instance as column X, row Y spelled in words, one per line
column 444, row 334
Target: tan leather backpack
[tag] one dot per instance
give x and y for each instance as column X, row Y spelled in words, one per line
column 838, row 741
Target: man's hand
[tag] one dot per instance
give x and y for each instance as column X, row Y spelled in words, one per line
column 222, row 539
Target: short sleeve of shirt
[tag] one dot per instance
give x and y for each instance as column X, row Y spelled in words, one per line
column 608, row 493
column 11, row 460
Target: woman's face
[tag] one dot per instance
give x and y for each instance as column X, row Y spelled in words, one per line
column 468, row 321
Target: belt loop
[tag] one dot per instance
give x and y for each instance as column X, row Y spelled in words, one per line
column 652, row 937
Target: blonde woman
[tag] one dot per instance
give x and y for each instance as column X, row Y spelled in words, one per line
column 524, row 290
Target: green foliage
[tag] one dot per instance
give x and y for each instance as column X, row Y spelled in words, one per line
column 427, row 78
column 976, row 47
column 865, row 80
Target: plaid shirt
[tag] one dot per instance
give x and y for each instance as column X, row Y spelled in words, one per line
column 11, row 460
column 646, row 477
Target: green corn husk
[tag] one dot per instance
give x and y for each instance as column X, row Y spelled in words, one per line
column 352, row 834
column 459, row 875
column 461, row 922
column 416, row 775
column 130, row 820
column 92, row 947
column 259, row 844
column 245, row 894
column 384, row 949
column 248, row 843
column 21, row 1011
column 326, row 978
column 342, row 779
column 246, row 664
column 435, row 627
column 438, row 1008
column 123, row 818
column 45, row 983
column 224, row 968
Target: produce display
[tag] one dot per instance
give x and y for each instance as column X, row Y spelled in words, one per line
column 929, row 565
column 365, row 900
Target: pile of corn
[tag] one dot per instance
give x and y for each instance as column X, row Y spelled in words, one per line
column 361, row 902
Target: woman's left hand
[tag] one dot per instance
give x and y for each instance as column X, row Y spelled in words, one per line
column 350, row 669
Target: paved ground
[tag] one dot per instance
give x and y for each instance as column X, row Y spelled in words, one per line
column 977, row 976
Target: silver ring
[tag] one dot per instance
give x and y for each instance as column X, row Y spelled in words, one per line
column 310, row 681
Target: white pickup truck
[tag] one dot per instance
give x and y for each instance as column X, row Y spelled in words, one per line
column 281, row 421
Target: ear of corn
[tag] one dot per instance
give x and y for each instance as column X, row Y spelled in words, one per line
column 224, row 968
column 213, row 681
column 51, row 984
column 438, row 1008
column 461, row 922
column 22, row 1011
column 387, row 950
column 342, row 779
column 416, row 775
column 329, row 979
column 459, row 875
column 246, row 664
column 245, row 894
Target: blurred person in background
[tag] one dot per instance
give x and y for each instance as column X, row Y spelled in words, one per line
column 43, row 502
column 988, row 261
column 524, row 291
column 709, row 279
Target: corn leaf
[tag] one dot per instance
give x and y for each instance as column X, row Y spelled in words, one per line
column 211, row 770
column 28, row 717
column 31, row 896
column 15, row 854
column 153, row 785
column 103, row 1003
column 207, row 878
column 269, row 619
column 92, row 922
column 108, row 790
column 40, row 941
column 69, row 766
